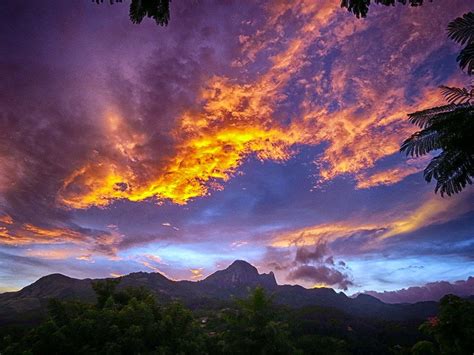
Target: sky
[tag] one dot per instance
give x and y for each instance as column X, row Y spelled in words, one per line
column 267, row 131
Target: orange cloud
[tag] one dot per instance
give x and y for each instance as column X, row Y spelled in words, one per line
column 433, row 211
column 16, row 234
column 240, row 119
column 6, row 219
column 59, row 254
column 393, row 175
column 196, row 273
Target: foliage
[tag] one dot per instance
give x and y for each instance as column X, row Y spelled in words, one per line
column 424, row 347
column 461, row 30
column 449, row 128
column 159, row 10
column 453, row 328
column 360, row 8
column 253, row 328
column 130, row 321
column 127, row 322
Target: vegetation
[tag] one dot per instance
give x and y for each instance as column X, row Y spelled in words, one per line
column 449, row 128
column 453, row 328
column 158, row 10
column 360, row 8
column 131, row 321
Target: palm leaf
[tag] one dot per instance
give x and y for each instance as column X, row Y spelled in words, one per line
column 466, row 58
column 457, row 95
column 137, row 11
column 461, row 30
column 421, row 143
column 424, row 118
column 453, row 171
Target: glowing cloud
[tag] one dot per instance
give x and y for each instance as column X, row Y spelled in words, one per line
column 432, row 211
column 23, row 234
column 240, row 119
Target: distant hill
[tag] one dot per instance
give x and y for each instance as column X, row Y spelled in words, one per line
column 29, row 304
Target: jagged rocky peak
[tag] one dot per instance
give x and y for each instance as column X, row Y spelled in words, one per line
column 241, row 273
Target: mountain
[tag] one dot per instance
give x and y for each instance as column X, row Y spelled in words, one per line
column 240, row 274
column 217, row 290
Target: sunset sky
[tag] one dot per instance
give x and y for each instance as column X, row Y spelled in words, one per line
column 267, row 131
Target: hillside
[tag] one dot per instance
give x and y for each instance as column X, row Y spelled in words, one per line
column 222, row 286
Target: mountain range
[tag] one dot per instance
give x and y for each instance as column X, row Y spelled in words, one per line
column 217, row 290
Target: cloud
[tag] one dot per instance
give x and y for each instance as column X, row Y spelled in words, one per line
column 321, row 275
column 15, row 234
column 312, row 265
column 400, row 221
column 196, row 274
column 305, row 255
column 360, row 119
column 432, row 291
column 173, row 114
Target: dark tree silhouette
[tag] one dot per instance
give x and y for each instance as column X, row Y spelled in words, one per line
column 360, row 8
column 461, row 30
column 159, row 10
column 453, row 328
column 449, row 128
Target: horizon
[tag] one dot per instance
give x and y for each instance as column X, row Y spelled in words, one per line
column 414, row 294
column 267, row 132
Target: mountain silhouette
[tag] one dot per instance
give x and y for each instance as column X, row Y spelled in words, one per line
column 240, row 273
column 216, row 290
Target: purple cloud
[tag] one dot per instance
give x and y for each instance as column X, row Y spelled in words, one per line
column 432, row 291
column 321, row 274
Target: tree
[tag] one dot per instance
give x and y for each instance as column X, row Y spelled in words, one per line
column 449, row 128
column 453, row 328
column 254, row 329
column 424, row 347
column 159, row 10
column 125, row 322
column 104, row 290
column 360, row 8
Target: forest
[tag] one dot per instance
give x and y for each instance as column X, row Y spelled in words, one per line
column 133, row 321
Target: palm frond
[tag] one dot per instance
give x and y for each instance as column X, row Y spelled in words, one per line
column 461, row 30
column 423, row 118
column 159, row 10
column 457, row 95
column 137, row 11
column 421, row 143
column 452, row 170
column 466, row 58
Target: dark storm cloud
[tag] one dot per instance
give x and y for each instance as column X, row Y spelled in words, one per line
column 432, row 291
column 278, row 259
column 315, row 264
column 321, row 274
column 312, row 264
column 305, row 255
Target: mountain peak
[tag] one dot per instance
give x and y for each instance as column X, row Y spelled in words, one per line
column 240, row 273
column 242, row 265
